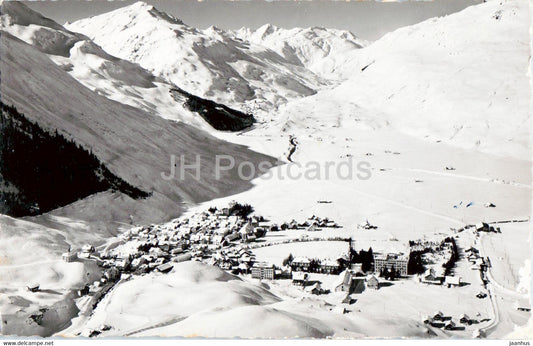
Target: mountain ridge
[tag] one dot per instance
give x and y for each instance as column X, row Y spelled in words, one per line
column 210, row 63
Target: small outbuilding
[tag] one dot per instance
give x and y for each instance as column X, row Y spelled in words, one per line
column 452, row 281
column 372, row 282
column 33, row 287
column 70, row 256
column 165, row 267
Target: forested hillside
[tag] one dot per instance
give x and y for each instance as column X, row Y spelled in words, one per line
column 40, row 171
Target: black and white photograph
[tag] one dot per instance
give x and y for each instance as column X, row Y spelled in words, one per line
column 265, row 169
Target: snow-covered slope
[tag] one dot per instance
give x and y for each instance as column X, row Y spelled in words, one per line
column 217, row 304
column 320, row 50
column 135, row 145
column 31, row 27
column 462, row 78
column 210, row 63
column 109, row 76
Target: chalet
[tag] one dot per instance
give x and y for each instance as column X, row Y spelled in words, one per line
column 300, row 264
column 33, row 287
column 314, row 289
column 330, row 267
column 304, row 224
column 69, row 256
column 176, row 251
column 482, row 227
column 95, row 287
column 112, row 274
column 247, row 231
column 472, row 250
column 452, row 281
column 233, row 236
column 283, row 273
column 299, row 278
column 438, row 316
column 464, row 319
column 250, row 239
column 157, row 252
column 148, row 258
column 213, row 247
column 263, row 270
column 450, row 325
column 87, row 248
column 165, row 267
column 367, row 225
column 429, row 277
column 226, row 265
column 246, row 258
column 312, row 228
column 244, row 268
column 137, row 262
column 183, row 257
column 372, row 282
column 346, row 284
column 293, row 225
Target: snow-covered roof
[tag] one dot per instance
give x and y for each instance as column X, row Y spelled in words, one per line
column 298, row 275
column 330, row 263
column 454, row 280
column 262, row 265
column 303, row 260
column 247, row 229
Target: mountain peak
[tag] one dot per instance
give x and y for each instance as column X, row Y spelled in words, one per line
column 267, row 29
column 141, row 7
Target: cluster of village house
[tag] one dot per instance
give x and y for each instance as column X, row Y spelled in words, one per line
column 218, row 238
column 213, row 237
column 438, row 254
column 439, row 320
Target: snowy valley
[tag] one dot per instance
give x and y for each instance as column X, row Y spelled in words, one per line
column 416, row 146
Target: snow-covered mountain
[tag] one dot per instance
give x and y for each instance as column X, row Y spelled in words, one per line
column 441, row 91
column 461, row 79
column 109, row 76
column 437, row 112
column 231, row 68
column 134, row 144
column 319, row 49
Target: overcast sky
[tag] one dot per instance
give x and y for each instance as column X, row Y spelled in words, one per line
column 366, row 19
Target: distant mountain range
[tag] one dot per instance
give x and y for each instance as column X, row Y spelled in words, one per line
column 265, row 67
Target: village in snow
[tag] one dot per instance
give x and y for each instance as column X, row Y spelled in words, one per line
column 160, row 178
column 232, row 239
